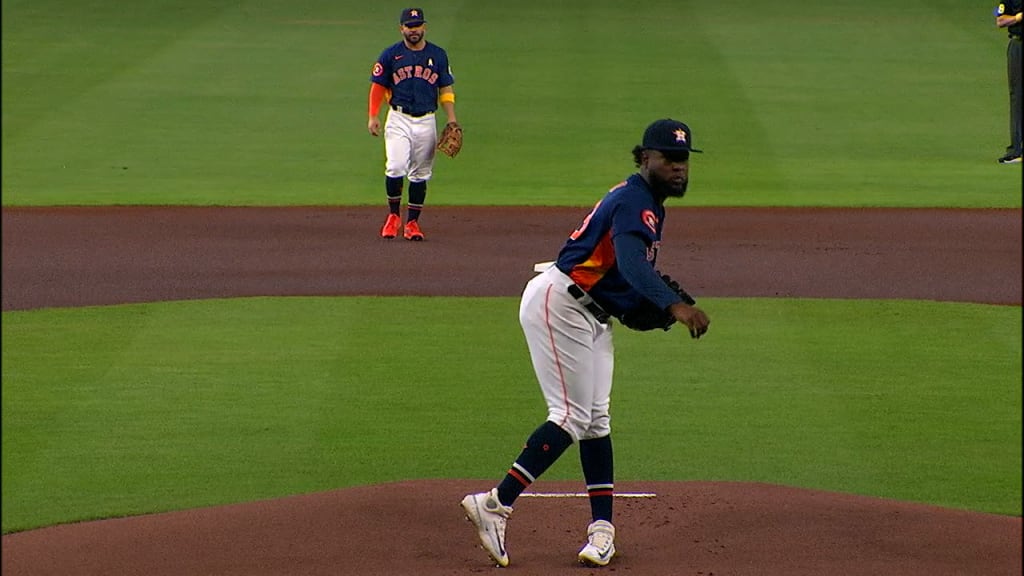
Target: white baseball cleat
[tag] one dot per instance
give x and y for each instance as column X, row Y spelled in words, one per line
column 489, row 516
column 600, row 547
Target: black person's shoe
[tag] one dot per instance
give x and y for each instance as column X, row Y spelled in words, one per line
column 1010, row 159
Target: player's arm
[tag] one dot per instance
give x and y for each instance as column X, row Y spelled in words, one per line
column 631, row 258
column 378, row 94
column 1006, row 20
column 446, row 93
column 446, row 98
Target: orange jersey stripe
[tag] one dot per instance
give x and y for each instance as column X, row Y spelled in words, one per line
column 590, row 272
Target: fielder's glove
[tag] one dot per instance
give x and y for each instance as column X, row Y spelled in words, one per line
column 450, row 141
column 648, row 316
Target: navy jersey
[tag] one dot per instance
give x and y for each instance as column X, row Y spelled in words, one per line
column 589, row 256
column 1009, row 8
column 413, row 76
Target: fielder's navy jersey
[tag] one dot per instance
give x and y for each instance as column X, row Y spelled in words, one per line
column 1009, row 8
column 589, row 257
column 413, row 76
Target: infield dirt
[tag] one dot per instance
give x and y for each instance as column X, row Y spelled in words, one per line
column 96, row 256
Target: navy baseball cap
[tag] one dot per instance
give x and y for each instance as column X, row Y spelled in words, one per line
column 668, row 135
column 412, row 17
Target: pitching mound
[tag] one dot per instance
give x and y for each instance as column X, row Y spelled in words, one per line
column 96, row 256
column 698, row 528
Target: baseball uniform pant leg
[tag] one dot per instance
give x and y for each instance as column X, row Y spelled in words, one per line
column 397, row 144
column 424, row 147
column 604, row 364
column 1014, row 78
column 570, row 351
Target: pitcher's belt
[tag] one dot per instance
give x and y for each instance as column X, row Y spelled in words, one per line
column 593, row 307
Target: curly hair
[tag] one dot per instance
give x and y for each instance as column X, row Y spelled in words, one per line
column 638, row 152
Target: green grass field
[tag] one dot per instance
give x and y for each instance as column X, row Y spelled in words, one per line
column 215, row 102
column 131, row 409
column 135, row 408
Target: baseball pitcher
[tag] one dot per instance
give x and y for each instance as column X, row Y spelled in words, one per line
column 604, row 272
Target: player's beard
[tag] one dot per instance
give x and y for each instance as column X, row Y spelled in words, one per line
column 413, row 37
column 668, row 188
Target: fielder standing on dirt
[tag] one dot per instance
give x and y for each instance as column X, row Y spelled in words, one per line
column 605, row 270
column 413, row 77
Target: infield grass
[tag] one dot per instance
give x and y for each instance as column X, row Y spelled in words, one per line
column 133, row 409
column 212, row 102
column 139, row 408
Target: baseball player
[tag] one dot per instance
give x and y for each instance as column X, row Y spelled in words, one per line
column 605, row 270
column 413, row 77
column 1008, row 15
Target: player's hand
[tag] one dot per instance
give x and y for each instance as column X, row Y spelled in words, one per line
column 694, row 318
column 373, row 125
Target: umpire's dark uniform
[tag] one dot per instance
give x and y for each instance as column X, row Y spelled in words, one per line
column 1013, row 75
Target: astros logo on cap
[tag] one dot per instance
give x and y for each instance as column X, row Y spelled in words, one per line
column 414, row 13
column 680, row 135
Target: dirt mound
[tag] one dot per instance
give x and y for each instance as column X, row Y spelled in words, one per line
column 95, row 256
column 417, row 527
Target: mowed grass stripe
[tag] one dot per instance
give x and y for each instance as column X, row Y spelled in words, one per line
column 120, row 410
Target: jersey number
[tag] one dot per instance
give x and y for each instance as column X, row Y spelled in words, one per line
column 586, row 221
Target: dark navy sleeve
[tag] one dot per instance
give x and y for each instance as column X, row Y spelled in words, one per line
column 631, row 257
column 444, row 76
column 381, row 73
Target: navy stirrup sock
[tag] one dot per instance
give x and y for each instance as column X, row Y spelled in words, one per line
column 598, row 470
column 393, row 187
column 417, row 195
column 542, row 449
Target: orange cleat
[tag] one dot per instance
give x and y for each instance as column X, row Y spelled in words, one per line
column 412, row 231
column 390, row 229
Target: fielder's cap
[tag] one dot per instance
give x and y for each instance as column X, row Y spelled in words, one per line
column 668, row 135
column 412, row 17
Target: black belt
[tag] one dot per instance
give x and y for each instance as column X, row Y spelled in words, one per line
column 413, row 114
column 588, row 303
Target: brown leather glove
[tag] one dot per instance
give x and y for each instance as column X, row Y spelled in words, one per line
column 450, row 141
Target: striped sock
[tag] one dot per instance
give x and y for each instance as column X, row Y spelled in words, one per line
column 393, row 187
column 598, row 470
column 414, row 211
column 417, row 195
column 543, row 448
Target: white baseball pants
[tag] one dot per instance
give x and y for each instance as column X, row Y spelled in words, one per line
column 409, row 144
column 572, row 355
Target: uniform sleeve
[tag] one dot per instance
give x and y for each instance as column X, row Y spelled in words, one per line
column 631, row 257
column 444, row 77
column 381, row 73
column 630, row 217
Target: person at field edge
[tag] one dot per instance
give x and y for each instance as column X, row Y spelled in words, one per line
column 606, row 269
column 413, row 77
column 1008, row 15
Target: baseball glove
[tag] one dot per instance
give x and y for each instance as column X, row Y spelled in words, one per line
column 648, row 316
column 450, row 141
